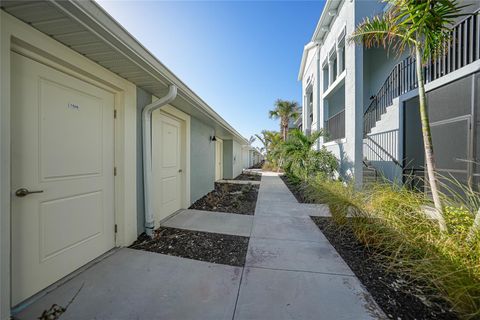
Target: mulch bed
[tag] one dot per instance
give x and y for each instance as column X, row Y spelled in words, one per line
column 229, row 197
column 297, row 192
column 258, row 165
column 398, row 297
column 249, row 177
column 204, row 246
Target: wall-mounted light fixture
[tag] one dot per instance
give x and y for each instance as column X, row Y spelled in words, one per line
column 213, row 138
column 332, row 13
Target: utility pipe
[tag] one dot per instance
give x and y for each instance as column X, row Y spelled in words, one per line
column 147, row 155
column 320, row 110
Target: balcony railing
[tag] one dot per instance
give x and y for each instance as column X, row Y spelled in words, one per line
column 463, row 48
column 335, row 126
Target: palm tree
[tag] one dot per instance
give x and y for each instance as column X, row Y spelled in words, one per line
column 422, row 27
column 303, row 160
column 263, row 137
column 251, row 140
column 285, row 111
column 270, row 141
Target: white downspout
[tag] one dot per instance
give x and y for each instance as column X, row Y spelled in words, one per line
column 320, row 122
column 147, row 154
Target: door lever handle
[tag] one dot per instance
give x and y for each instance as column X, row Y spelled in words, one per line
column 180, row 170
column 22, row 192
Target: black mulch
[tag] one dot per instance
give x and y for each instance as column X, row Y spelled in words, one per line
column 249, row 177
column 203, row 246
column 398, row 297
column 229, row 197
column 258, row 165
column 295, row 189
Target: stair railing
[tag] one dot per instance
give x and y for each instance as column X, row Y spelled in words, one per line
column 463, row 48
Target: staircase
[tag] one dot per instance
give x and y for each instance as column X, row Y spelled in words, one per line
column 370, row 174
column 462, row 49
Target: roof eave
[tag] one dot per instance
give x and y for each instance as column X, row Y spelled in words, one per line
column 322, row 22
column 100, row 22
column 306, row 49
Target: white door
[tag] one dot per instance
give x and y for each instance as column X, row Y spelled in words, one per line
column 62, row 145
column 168, row 162
column 218, row 159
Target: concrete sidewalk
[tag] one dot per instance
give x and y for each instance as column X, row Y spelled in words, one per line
column 209, row 221
column 291, row 272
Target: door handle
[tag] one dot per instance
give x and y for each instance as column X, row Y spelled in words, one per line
column 180, row 170
column 22, row 192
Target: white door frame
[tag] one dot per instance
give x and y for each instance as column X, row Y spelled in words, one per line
column 185, row 153
column 22, row 38
column 218, row 175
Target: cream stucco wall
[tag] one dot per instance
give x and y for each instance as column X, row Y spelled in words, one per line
column 20, row 37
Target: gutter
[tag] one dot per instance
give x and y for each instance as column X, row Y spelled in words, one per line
column 323, row 16
column 147, row 155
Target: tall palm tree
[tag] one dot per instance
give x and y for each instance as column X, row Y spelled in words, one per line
column 285, row 111
column 251, row 140
column 422, row 27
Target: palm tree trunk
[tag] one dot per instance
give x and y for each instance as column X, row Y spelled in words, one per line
column 427, row 142
column 475, row 228
column 284, row 129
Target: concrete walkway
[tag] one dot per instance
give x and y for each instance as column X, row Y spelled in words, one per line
column 291, row 272
column 132, row 284
column 208, row 221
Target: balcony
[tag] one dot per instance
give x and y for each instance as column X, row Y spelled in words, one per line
column 335, row 127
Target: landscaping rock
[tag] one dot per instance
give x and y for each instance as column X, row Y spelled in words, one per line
column 229, row 197
column 249, row 177
column 204, row 246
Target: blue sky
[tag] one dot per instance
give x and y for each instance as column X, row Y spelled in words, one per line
column 238, row 56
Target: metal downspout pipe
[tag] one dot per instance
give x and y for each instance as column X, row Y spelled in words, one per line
column 147, row 155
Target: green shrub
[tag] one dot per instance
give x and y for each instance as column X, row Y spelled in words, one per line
column 392, row 220
column 269, row 166
column 300, row 159
column 459, row 219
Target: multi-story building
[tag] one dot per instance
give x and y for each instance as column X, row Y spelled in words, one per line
column 367, row 99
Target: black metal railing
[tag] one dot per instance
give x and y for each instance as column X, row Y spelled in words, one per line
column 335, row 126
column 382, row 147
column 463, row 48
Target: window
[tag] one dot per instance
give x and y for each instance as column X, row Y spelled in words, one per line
column 332, row 65
column 310, row 109
column 341, row 54
column 326, row 82
column 334, row 69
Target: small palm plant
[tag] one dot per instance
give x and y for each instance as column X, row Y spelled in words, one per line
column 274, row 153
column 301, row 159
column 285, row 111
column 422, row 27
column 270, row 141
column 264, row 137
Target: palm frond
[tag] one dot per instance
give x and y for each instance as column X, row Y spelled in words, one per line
column 382, row 31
